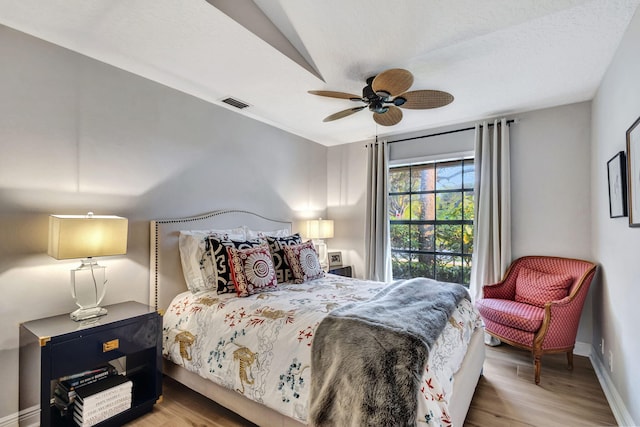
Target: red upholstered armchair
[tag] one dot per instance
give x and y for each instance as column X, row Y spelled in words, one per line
column 537, row 305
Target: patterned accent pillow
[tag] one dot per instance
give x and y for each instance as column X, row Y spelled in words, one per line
column 220, row 256
column 536, row 287
column 256, row 234
column 198, row 266
column 276, row 246
column 304, row 261
column 252, row 270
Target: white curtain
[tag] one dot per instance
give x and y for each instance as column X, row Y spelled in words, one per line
column 377, row 244
column 492, row 224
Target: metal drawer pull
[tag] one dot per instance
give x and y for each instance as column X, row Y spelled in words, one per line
column 110, row 345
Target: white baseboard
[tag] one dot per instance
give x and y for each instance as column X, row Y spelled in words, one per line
column 620, row 412
column 582, row 349
column 29, row 417
column 9, row 420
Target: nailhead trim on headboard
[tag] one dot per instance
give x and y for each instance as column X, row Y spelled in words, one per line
column 193, row 219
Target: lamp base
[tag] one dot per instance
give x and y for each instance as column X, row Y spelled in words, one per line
column 323, row 255
column 88, row 286
column 87, row 313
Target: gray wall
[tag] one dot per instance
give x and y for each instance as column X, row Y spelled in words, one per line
column 616, row 245
column 78, row 135
column 550, row 195
column 550, row 172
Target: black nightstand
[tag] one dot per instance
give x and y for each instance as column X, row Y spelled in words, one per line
column 57, row 346
column 342, row 271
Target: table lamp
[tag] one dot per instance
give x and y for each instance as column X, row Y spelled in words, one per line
column 317, row 230
column 86, row 237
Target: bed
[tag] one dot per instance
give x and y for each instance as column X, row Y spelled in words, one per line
column 269, row 313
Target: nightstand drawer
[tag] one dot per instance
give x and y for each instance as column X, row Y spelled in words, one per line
column 87, row 351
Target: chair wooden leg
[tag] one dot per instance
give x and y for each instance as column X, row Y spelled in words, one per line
column 570, row 359
column 538, row 367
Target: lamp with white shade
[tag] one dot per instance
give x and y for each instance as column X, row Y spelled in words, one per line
column 86, row 237
column 317, row 230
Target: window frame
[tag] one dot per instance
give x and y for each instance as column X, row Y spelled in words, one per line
column 463, row 190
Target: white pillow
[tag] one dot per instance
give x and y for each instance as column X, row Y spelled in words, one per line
column 255, row 234
column 198, row 266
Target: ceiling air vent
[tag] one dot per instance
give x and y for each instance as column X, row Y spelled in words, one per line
column 235, row 103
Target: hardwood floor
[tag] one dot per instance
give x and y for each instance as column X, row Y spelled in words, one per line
column 506, row 396
column 182, row 407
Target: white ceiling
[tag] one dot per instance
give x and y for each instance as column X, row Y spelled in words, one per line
column 495, row 56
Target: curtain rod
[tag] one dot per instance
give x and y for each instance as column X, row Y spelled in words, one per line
column 445, row 133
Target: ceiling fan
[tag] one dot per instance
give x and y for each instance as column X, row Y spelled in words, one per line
column 384, row 93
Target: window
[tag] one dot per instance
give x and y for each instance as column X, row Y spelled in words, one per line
column 431, row 220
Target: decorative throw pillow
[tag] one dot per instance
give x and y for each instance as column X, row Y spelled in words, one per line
column 221, row 260
column 256, row 234
column 304, row 261
column 198, row 266
column 276, row 246
column 537, row 287
column 252, row 270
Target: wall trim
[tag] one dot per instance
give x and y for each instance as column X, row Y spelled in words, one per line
column 29, row 417
column 620, row 412
column 10, row 420
column 582, row 349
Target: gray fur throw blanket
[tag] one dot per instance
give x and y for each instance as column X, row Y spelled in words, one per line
column 367, row 357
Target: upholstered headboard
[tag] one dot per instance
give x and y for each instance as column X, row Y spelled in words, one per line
column 166, row 277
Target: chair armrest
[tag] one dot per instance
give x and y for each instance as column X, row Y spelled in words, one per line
column 500, row 290
column 561, row 321
column 562, row 317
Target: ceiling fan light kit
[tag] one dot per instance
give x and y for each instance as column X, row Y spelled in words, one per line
column 384, row 93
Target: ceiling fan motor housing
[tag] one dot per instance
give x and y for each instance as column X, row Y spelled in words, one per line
column 376, row 100
column 368, row 94
column 377, row 106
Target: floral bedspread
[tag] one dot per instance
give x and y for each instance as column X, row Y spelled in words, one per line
column 260, row 346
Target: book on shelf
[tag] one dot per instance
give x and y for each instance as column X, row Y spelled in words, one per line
column 87, row 373
column 65, row 390
column 109, row 385
column 65, row 408
column 105, row 402
column 87, row 377
column 104, row 411
column 87, row 421
column 101, row 400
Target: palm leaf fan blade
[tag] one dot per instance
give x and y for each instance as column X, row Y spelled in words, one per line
column 390, row 118
column 334, row 94
column 343, row 113
column 394, row 81
column 425, row 99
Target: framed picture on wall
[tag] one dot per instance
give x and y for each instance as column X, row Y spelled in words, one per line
column 633, row 173
column 616, row 174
